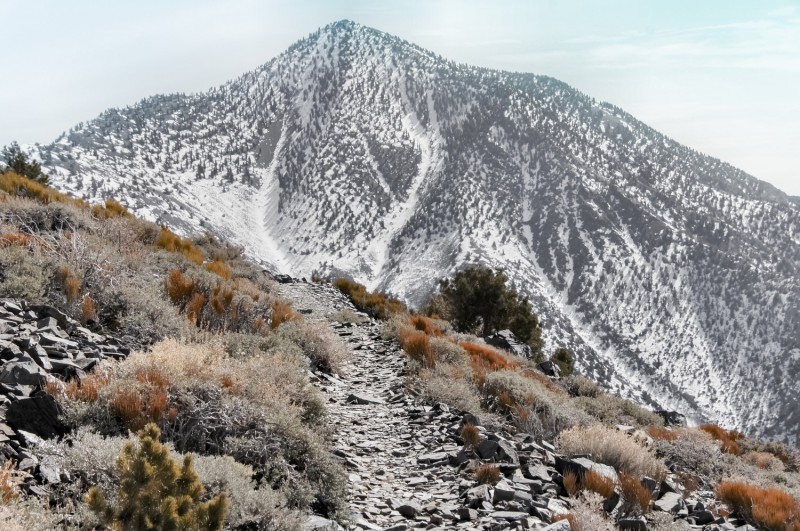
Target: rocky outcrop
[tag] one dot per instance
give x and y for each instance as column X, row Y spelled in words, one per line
column 38, row 343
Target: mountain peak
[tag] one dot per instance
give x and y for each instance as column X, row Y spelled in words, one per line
column 357, row 154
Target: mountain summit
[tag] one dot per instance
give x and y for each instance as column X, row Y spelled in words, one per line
column 673, row 275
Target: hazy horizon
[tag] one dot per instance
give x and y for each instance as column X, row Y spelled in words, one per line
column 720, row 77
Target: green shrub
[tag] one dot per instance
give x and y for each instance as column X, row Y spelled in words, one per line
column 479, row 299
column 155, row 492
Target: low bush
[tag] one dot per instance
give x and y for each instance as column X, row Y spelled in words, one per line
column 10, row 481
column 250, row 505
column 770, row 509
column 577, row 385
column 728, row 438
column 611, row 447
column 535, row 408
column 612, row 410
column 448, row 384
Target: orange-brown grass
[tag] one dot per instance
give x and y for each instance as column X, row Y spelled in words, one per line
column 16, row 238
column 487, row 474
column 379, row 304
column 762, row 460
column 219, row 268
column 19, row 186
column 10, row 480
column 128, row 405
column 169, row 241
column 136, row 407
column 487, row 359
column 635, row 496
column 417, row 345
column 425, row 324
column 221, row 298
column 571, row 483
column 598, row 483
column 661, row 434
column 728, row 438
column 195, row 307
column 87, row 389
column 471, row 435
column 110, row 209
column 69, row 283
column 179, row 287
column 152, row 376
column 282, row 312
column 88, row 310
column 770, row 509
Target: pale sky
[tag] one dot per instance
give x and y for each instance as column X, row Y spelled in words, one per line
column 721, row 76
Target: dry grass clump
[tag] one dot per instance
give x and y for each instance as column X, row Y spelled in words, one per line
column 19, row 186
column 635, row 497
column 729, row 438
column 770, row 509
column 16, row 239
column 282, row 312
column 661, row 434
column 219, row 268
column 378, row 305
column 171, row 242
column 487, row 474
column 570, row 481
column 111, row 209
column 471, row 436
column 763, row 460
column 431, row 327
column 598, row 483
column 417, row 346
column 487, row 359
column 611, row 447
column 10, row 480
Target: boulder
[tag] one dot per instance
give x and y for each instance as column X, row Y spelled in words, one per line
column 23, row 372
column 487, row 448
column 38, row 414
column 671, row 418
column 506, row 340
column 503, row 491
column 409, row 509
column 550, row 369
column 670, row 502
column 363, row 399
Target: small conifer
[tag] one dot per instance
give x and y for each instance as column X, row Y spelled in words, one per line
column 156, row 492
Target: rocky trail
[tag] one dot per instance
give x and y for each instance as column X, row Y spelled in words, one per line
column 407, row 464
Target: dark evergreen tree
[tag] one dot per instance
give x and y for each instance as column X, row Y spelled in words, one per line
column 478, row 299
column 17, row 161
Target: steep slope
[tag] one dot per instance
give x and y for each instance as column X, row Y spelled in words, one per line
column 673, row 275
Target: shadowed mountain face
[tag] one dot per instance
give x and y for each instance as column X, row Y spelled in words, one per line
column 673, row 275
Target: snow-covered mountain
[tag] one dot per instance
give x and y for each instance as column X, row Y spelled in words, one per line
column 673, row 275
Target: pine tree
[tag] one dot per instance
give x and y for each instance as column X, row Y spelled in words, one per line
column 479, row 298
column 17, row 161
column 156, row 493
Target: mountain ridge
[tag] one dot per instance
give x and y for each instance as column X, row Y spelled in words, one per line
column 356, row 153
